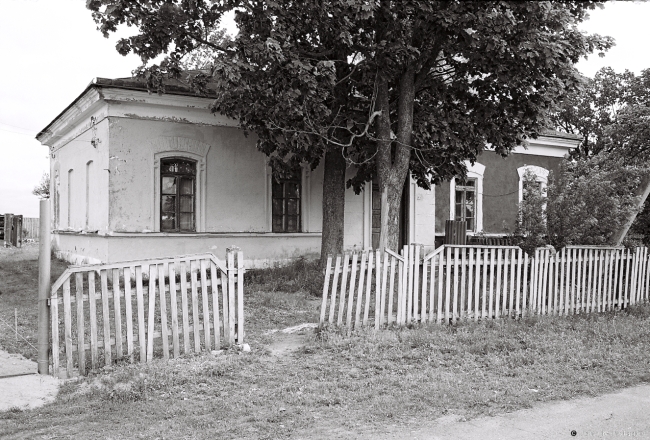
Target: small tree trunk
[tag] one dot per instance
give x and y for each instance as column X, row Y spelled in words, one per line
column 333, row 205
column 642, row 194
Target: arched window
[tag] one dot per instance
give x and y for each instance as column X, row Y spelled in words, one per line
column 541, row 177
column 466, row 198
column 177, row 195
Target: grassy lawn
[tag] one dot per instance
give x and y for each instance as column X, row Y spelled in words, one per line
column 332, row 385
column 19, row 291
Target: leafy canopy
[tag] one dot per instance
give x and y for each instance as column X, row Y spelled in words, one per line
column 303, row 75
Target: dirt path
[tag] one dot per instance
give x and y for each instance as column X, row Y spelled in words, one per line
column 21, row 386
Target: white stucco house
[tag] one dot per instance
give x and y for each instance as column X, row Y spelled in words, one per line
column 137, row 175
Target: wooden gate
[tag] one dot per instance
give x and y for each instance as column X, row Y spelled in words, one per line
column 139, row 310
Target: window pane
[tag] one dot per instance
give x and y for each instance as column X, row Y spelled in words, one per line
column 169, row 204
column 469, row 197
column 187, row 204
column 168, row 185
column 469, row 211
column 278, row 208
column 470, row 224
column 292, row 223
column 470, row 183
column 187, row 222
column 186, row 167
column 168, row 222
column 292, row 189
column 187, row 186
column 277, row 223
column 277, row 189
column 459, row 211
column 292, row 207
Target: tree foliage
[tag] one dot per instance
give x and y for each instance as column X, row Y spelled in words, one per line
column 590, row 199
column 42, row 190
column 530, row 226
column 391, row 86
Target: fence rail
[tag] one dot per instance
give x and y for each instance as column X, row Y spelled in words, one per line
column 481, row 282
column 144, row 309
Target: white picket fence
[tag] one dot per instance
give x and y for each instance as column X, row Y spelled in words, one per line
column 139, row 310
column 480, row 282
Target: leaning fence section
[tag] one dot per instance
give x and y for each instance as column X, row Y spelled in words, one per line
column 140, row 310
column 479, row 282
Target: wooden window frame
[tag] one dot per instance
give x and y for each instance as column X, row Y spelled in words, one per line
column 464, row 189
column 297, row 180
column 177, row 195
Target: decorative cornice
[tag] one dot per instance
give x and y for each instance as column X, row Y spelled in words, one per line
column 102, row 102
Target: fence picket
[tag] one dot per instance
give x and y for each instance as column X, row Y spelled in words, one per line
column 54, row 311
column 185, row 306
column 484, row 254
column 366, row 309
column 152, row 309
column 391, row 289
column 128, row 312
column 204, row 303
column 454, row 310
column 173, row 306
column 383, row 289
column 67, row 326
column 353, row 279
column 92, row 310
column 106, row 318
column 440, row 284
column 448, row 286
column 525, row 289
column 231, row 297
column 491, row 299
column 335, row 280
column 240, row 298
column 163, row 269
column 470, row 283
column 362, row 271
column 344, row 285
column 214, row 273
column 194, row 285
column 463, row 275
column 425, row 316
column 497, row 292
column 377, row 288
column 415, row 261
column 323, row 306
column 140, row 305
column 117, row 310
column 78, row 284
column 513, row 269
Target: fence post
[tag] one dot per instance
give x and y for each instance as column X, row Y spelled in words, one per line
column 44, row 265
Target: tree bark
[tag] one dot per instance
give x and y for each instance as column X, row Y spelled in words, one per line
column 333, row 205
column 393, row 155
column 642, row 194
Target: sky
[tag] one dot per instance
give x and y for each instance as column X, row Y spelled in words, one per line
column 51, row 51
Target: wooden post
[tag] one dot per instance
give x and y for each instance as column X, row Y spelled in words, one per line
column 44, row 265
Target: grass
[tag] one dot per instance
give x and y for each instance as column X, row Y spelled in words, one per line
column 339, row 385
column 19, row 287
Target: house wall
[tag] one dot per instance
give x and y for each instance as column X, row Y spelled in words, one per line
column 500, row 190
column 78, row 202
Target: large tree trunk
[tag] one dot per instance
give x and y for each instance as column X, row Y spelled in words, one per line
column 333, row 204
column 393, row 155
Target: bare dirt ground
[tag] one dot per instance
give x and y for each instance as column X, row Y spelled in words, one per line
column 20, row 385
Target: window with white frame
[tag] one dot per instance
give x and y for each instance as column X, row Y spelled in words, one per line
column 466, row 198
column 541, row 179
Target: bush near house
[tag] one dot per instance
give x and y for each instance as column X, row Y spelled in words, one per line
column 585, row 203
